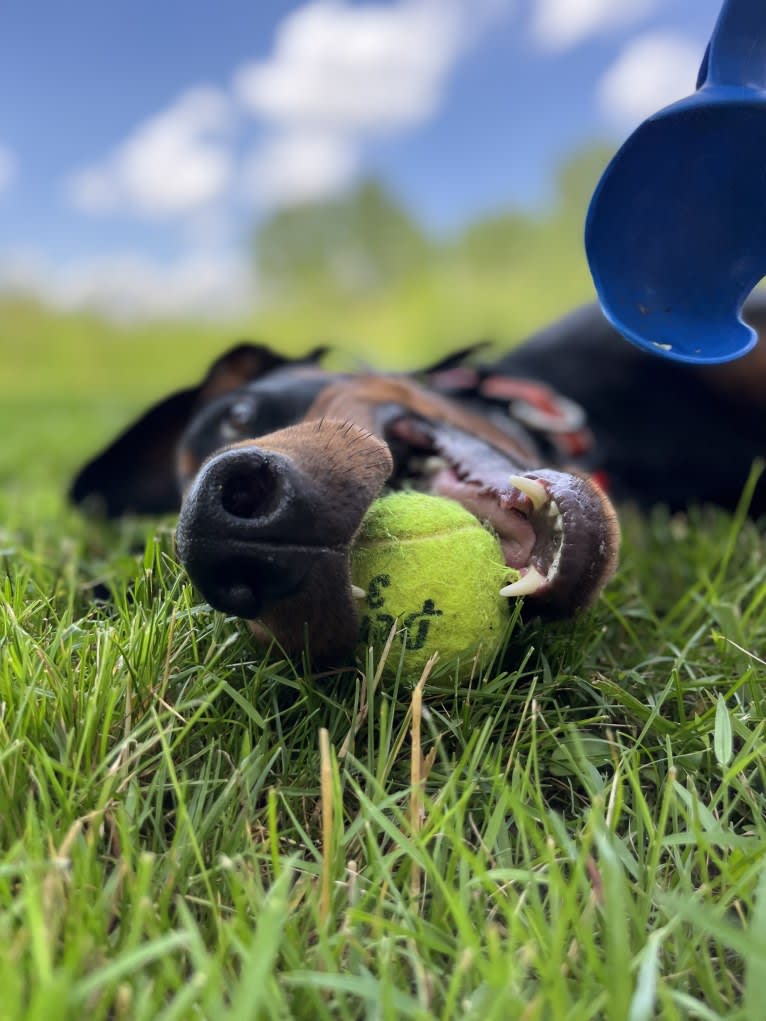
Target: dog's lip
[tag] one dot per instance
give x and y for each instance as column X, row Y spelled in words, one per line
column 246, row 547
column 563, row 540
column 243, row 577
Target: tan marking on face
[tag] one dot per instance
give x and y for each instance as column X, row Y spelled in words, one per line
column 357, row 398
column 187, row 466
column 330, row 449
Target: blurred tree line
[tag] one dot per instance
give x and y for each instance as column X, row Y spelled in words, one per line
column 367, row 243
column 360, row 273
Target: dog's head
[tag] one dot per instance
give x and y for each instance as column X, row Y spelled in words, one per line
column 273, row 464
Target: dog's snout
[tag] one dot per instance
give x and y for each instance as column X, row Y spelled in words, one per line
column 250, row 485
column 238, row 525
column 269, row 522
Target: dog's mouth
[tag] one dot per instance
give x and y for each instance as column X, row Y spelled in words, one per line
column 557, row 529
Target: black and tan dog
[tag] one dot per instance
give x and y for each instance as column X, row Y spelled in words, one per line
column 274, row 462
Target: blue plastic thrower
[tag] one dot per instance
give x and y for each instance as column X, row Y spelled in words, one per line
column 676, row 231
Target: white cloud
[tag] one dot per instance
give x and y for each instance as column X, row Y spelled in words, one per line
column 559, row 24
column 338, row 74
column 299, row 166
column 652, row 71
column 343, row 67
column 341, row 73
column 7, row 168
column 174, row 163
column 133, row 287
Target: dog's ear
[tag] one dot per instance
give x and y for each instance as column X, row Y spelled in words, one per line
column 136, row 473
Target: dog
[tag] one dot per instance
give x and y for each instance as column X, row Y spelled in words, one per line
column 272, row 463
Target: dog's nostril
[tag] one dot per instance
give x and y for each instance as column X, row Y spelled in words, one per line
column 250, row 492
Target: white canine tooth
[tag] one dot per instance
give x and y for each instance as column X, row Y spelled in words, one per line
column 358, row 593
column 529, row 583
column 536, row 491
column 433, row 464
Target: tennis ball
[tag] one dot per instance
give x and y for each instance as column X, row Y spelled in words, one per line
column 428, row 566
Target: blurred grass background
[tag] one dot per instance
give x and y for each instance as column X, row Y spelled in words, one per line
column 359, row 273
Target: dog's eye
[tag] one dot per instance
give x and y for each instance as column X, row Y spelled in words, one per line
column 237, row 421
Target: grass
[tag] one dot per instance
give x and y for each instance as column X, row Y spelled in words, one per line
column 190, row 831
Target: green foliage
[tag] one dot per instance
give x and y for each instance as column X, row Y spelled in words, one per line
column 577, row 178
column 362, row 242
column 364, row 273
column 365, row 242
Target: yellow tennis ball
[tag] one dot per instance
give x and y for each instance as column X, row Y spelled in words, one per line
column 429, row 568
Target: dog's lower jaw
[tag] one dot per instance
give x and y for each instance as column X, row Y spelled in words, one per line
column 577, row 547
column 321, row 619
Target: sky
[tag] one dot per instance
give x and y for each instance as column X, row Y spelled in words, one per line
column 142, row 142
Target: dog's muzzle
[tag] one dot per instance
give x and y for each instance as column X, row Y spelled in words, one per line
column 245, row 531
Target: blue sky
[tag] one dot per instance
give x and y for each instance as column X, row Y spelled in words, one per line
column 139, row 143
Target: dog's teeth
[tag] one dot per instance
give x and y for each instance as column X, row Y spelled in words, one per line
column 433, row 465
column 529, row 583
column 358, row 593
column 536, row 491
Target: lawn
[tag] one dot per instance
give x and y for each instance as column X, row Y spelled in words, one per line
column 190, row 831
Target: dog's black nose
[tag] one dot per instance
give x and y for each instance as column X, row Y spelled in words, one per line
column 249, row 484
column 246, row 533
